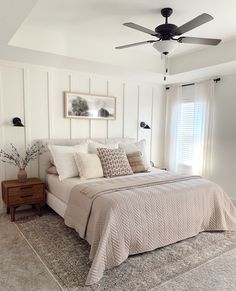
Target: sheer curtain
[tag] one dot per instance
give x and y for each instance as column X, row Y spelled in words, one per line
column 189, row 119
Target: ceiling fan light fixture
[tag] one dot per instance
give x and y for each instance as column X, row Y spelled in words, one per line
column 166, row 46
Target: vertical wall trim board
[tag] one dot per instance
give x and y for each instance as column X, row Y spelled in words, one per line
column 123, row 121
column 50, row 103
column 2, row 136
column 25, row 74
column 27, row 114
column 90, row 123
column 138, row 99
column 151, row 137
column 107, row 120
column 69, row 79
column 4, row 171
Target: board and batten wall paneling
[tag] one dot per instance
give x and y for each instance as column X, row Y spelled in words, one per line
column 2, row 137
column 61, row 125
column 115, row 127
column 13, row 106
column 80, row 128
column 158, row 125
column 36, row 95
column 99, row 85
column 38, row 111
column 131, row 96
column 145, row 114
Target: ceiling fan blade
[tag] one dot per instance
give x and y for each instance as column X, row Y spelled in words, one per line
column 197, row 21
column 134, row 44
column 140, row 28
column 199, row 40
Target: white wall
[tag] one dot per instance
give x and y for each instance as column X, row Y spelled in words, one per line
column 35, row 94
column 224, row 137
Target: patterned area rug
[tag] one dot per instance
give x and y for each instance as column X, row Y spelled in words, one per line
column 66, row 256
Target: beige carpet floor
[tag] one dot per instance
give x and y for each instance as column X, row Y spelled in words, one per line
column 168, row 268
column 20, row 268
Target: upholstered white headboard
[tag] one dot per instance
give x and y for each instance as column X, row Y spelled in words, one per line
column 44, row 159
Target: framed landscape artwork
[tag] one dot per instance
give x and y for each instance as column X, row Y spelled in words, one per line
column 89, row 106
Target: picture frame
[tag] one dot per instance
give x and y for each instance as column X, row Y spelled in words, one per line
column 89, row 106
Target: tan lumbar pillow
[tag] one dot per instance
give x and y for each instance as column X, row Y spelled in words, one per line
column 135, row 147
column 89, row 165
column 136, row 162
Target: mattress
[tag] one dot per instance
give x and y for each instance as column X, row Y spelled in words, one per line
column 62, row 189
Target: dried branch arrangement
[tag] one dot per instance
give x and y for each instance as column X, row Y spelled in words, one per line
column 14, row 158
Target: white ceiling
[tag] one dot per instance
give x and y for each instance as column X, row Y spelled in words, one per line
column 100, row 21
column 86, row 32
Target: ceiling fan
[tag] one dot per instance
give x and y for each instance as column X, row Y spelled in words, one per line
column 168, row 34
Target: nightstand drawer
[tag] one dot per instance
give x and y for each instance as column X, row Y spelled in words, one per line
column 25, row 194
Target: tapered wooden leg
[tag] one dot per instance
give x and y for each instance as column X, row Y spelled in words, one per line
column 12, row 210
column 38, row 207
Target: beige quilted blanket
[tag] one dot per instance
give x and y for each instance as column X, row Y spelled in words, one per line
column 130, row 215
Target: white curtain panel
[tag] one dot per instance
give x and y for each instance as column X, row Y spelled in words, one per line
column 173, row 100
column 189, row 121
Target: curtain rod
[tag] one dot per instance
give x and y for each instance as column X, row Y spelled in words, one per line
column 190, row 84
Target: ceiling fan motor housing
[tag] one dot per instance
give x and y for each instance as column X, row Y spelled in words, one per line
column 166, row 31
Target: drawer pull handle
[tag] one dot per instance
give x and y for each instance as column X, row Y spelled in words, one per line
column 26, row 187
column 24, row 196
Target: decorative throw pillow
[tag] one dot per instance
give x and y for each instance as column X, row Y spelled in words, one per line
column 89, row 165
column 93, row 146
column 135, row 147
column 63, row 157
column 114, row 162
column 52, row 170
column 136, row 162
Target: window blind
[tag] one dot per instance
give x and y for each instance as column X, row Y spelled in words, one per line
column 188, row 134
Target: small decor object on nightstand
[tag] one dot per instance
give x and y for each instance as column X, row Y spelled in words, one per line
column 14, row 158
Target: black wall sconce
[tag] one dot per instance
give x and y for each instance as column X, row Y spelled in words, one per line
column 17, row 122
column 144, row 125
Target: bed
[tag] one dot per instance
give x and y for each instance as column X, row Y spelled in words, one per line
column 124, row 216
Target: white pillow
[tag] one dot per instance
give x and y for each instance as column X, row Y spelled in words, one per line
column 89, row 165
column 92, row 146
column 63, row 157
column 135, row 147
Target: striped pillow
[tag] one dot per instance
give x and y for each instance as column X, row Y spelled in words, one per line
column 136, row 162
column 114, row 162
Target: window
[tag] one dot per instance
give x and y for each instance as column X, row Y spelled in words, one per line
column 188, row 136
column 189, row 132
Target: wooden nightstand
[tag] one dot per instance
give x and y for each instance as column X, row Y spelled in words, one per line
column 15, row 194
